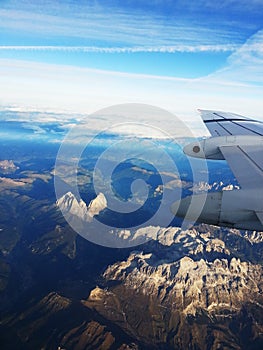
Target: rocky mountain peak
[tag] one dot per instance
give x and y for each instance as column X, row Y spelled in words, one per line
column 69, row 205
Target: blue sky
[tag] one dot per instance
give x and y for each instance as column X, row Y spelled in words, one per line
column 201, row 48
column 177, row 38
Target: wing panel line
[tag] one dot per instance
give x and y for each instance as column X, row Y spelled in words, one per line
column 225, row 129
column 226, row 120
column 246, row 128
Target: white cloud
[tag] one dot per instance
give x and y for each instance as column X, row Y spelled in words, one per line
column 117, row 27
column 143, row 48
column 236, row 88
column 245, row 65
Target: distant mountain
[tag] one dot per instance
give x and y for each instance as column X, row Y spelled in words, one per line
column 7, row 166
column 198, row 289
column 69, row 205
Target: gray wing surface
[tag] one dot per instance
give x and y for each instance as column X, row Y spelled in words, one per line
column 246, row 165
column 224, row 124
column 260, row 215
column 246, row 162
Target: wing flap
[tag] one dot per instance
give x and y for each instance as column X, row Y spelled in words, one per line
column 246, row 164
column 260, row 216
column 255, row 154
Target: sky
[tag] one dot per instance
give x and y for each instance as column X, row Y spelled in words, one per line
column 178, row 55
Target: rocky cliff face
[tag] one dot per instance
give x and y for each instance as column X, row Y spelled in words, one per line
column 191, row 285
column 187, row 291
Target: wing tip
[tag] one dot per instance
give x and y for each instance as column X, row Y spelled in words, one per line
column 210, row 115
column 206, row 114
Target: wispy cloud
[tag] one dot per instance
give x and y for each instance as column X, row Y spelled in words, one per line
column 119, row 28
column 245, row 65
column 135, row 49
column 237, row 87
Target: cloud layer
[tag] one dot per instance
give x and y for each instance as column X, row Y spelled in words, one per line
column 116, row 24
column 93, row 27
column 135, row 49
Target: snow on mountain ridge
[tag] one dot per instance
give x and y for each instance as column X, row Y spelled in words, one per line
column 190, row 284
column 192, row 270
column 68, row 204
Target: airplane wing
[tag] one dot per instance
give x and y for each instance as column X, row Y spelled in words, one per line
column 224, row 124
column 245, row 161
column 238, row 140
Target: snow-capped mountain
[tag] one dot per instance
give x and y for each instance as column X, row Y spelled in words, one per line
column 69, row 205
